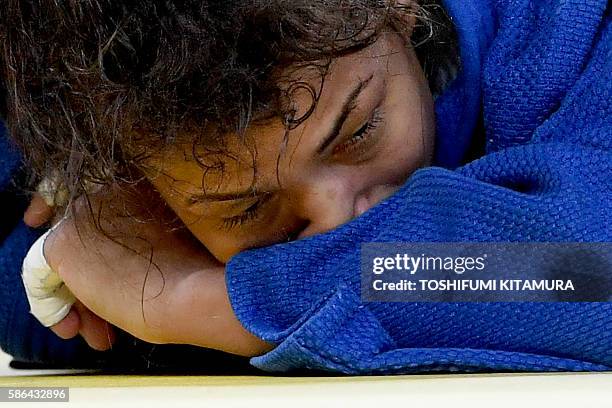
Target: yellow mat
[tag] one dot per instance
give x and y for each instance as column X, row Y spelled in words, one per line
column 100, row 380
column 559, row 390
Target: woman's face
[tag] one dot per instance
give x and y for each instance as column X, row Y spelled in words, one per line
column 372, row 127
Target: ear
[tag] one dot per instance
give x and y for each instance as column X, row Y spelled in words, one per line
column 408, row 10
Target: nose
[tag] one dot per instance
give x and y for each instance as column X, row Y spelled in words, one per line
column 332, row 204
column 324, row 207
column 372, row 196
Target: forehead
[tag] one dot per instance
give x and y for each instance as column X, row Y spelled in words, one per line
column 309, row 91
column 189, row 168
column 324, row 80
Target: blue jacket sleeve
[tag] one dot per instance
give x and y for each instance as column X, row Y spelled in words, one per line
column 547, row 176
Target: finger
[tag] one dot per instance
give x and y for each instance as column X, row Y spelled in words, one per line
column 49, row 298
column 98, row 333
column 69, row 326
column 38, row 212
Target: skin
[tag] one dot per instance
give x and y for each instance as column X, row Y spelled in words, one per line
column 309, row 192
column 186, row 304
column 385, row 138
column 38, row 212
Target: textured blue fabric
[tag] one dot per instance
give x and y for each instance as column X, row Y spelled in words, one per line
column 9, row 159
column 540, row 72
column 458, row 107
column 21, row 335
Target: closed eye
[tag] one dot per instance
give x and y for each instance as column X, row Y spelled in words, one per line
column 361, row 136
column 249, row 214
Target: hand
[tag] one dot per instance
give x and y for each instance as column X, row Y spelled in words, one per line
column 159, row 285
column 50, row 192
column 98, row 333
column 38, row 212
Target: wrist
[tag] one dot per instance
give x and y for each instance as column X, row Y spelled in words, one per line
column 203, row 316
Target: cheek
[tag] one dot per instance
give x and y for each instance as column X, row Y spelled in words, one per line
column 392, row 167
column 410, row 125
column 407, row 144
column 221, row 244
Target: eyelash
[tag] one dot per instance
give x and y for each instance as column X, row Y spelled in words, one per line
column 252, row 212
column 361, row 135
column 247, row 215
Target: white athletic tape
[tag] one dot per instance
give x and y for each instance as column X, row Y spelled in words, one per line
column 50, row 300
column 52, row 191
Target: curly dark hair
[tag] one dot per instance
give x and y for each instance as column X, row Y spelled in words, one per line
column 88, row 81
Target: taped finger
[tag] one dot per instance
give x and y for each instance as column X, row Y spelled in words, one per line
column 50, row 299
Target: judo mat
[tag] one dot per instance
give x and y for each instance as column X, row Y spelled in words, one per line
column 582, row 390
column 92, row 388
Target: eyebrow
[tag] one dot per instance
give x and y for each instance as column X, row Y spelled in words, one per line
column 347, row 107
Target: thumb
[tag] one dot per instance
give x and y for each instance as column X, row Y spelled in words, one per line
column 68, row 327
column 99, row 334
